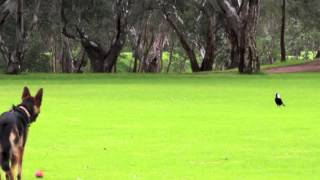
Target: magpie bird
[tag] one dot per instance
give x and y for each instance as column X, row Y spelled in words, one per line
column 278, row 100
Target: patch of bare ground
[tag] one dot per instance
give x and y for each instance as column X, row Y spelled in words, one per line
column 313, row 66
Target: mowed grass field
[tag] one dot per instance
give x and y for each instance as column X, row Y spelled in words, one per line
column 172, row 127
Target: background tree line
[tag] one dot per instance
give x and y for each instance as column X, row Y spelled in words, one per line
column 72, row 36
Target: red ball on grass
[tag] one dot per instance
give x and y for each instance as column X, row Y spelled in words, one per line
column 39, row 174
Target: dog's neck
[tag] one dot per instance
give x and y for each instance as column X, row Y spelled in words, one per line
column 25, row 110
column 26, row 117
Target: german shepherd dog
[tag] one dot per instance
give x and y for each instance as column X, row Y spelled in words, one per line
column 14, row 126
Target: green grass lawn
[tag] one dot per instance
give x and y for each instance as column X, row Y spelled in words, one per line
column 171, row 127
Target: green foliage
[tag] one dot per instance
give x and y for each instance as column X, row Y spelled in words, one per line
column 179, row 63
column 36, row 62
column 96, row 18
column 307, row 55
column 35, row 59
column 125, row 62
column 307, row 12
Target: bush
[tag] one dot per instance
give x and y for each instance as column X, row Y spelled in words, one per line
column 124, row 62
column 35, row 60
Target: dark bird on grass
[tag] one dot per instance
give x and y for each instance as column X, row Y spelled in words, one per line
column 278, row 100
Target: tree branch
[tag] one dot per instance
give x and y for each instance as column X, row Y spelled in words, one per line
column 65, row 22
column 4, row 50
column 6, row 8
column 183, row 41
column 34, row 21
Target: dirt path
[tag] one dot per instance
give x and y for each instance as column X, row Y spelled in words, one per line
column 307, row 67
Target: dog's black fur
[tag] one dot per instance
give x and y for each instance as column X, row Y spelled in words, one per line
column 14, row 126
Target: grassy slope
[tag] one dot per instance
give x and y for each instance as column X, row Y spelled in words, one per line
column 125, row 62
column 283, row 64
column 219, row 126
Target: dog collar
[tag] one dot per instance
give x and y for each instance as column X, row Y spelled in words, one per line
column 26, row 111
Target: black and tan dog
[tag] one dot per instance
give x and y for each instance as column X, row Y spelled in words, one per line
column 14, row 126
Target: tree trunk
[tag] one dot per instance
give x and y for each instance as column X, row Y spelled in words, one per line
column 152, row 63
column 15, row 60
column 283, row 27
column 139, row 38
column 7, row 7
column 146, row 48
column 80, row 62
column 136, row 52
column 95, row 53
column 209, row 56
column 234, row 55
column 242, row 24
column 94, row 50
column 14, row 66
column 4, row 51
column 121, row 8
column 148, row 40
column 113, row 54
column 318, row 53
column 271, row 54
column 115, row 49
column 249, row 61
column 54, row 55
column 183, row 64
column 101, row 60
column 184, row 42
column 135, row 65
column 66, row 59
column 170, row 57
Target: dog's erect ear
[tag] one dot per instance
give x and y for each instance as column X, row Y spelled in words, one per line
column 26, row 92
column 38, row 97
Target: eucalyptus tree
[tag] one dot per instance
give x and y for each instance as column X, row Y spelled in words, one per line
column 307, row 14
column 90, row 14
column 268, row 31
column 7, row 8
column 283, row 28
column 195, row 24
column 297, row 26
column 241, row 18
column 148, row 36
column 14, row 53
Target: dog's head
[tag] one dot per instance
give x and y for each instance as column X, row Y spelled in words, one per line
column 32, row 103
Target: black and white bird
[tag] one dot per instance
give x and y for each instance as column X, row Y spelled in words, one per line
column 278, row 100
